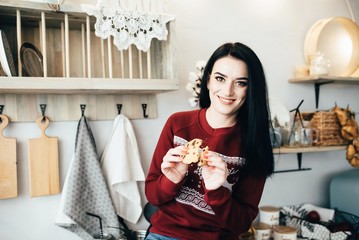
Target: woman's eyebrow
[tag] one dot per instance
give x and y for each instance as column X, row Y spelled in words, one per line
column 223, row 75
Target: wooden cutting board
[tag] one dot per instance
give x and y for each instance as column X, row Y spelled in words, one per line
column 8, row 165
column 43, row 162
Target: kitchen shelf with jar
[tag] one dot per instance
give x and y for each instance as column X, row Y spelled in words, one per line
column 321, row 80
column 78, row 67
column 317, row 81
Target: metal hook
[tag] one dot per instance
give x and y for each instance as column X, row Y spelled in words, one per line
column 82, row 106
column 119, row 107
column 1, row 109
column 144, row 107
column 43, row 109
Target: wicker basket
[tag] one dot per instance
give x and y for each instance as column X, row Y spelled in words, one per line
column 328, row 128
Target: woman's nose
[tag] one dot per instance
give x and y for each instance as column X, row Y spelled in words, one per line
column 228, row 89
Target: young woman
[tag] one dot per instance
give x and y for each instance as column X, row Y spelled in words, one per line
column 218, row 200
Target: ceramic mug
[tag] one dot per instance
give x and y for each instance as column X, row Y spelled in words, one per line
column 284, row 233
column 308, row 136
column 276, row 137
column 262, row 231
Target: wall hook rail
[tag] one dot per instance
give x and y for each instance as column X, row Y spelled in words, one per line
column 83, row 107
column 144, row 107
column 119, row 108
column 43, row 109
column 1, row 109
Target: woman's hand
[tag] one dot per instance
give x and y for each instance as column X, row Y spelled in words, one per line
column 215, row 172
column 172, row 166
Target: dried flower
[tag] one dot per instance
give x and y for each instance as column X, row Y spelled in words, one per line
column 194, row 84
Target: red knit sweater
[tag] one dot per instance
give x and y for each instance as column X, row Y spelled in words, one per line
column 188, row 210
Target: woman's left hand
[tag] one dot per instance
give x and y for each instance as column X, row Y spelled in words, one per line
column 215, row 172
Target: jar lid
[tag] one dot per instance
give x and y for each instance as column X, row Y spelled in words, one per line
column 269, row 209
column 284, row 229
column 260, row 226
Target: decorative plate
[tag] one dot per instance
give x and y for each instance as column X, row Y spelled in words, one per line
column 279, row 111
column 31, row 59
column 6, row 59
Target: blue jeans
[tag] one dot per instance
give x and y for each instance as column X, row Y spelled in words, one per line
column 154, row 236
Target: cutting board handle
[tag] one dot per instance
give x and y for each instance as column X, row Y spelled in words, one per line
column 4, row 122
column 43, row 122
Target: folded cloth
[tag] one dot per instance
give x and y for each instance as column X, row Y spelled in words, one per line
column 326, row 214
column 85, row 191
column 295, row 216
column 121, row 166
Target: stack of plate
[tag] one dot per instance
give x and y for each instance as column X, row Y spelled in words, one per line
column 7, row 67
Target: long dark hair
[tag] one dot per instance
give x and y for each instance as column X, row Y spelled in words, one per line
column 253, row 116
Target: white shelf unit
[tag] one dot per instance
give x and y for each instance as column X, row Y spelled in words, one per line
column 77, row 62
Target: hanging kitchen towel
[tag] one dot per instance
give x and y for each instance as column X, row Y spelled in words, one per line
column 122, row 169
column 85, row 191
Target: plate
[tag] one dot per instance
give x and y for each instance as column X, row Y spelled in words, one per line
column 6, row 59
column 279, row 111
column 31, row 59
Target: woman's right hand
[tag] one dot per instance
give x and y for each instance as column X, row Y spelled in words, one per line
column 172, row 166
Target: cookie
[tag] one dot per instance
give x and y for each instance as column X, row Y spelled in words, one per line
column 195, row 153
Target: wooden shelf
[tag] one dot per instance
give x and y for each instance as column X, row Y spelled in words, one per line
column 80, row 68
column 58, row 85
column 326, row 79
column 33, row 6
column 289, row 150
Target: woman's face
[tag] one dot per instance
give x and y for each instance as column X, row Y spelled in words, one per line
column 227, row 85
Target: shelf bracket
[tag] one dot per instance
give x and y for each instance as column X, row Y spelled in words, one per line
column 299, row 169
column 317, row 90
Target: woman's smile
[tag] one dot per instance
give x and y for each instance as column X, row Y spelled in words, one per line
column 226, row 101
column 227, row 87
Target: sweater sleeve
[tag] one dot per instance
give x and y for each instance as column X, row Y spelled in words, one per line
column 237, row 210
column 158, row 188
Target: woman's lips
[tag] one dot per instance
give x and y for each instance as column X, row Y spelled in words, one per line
column 226, row 100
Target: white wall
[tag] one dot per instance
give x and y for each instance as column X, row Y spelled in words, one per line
column 275, row 30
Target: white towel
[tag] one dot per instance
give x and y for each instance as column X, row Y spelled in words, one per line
column 85, row 191
column 122, row 169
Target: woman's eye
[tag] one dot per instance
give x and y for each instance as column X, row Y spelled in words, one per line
column 242, row 83
column 219, row 78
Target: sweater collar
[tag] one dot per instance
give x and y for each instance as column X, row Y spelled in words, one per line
column 214, row 131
